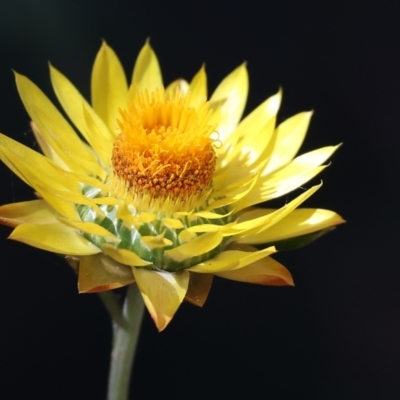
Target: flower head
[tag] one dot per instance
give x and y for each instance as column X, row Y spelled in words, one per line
column 158, row 185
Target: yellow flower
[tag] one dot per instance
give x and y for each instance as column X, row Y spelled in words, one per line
column 159, row 185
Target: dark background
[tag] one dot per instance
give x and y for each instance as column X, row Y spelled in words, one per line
column 336, row 335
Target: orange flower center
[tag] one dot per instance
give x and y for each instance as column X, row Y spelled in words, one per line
column 164, row 152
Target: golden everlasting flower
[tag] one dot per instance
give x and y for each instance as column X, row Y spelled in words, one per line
column 159, row 185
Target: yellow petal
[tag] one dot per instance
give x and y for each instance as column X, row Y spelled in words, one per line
column 30, row 165
column 270, row 190
column 98, row 273
column 172, row 223
column 232, row 91
column 186, row 236
column 25, row 168
column 198, row 87
column 238, row 191
column 196, row 247
column 125, row 215
column 96, row 132
column 31, row 212
column 81, row 113
column 180, row 84
column 255, row 131
column 291, row 177
column 303, row 163
column 54, row 237
column 109, row 87
column 40, row 173
column 90, row 227
column 225, row 186
column 299, row 222
column 230, row 260
column 110, row 201
column 204, row 228
column 211, row 215
column 76, row 198
column 146, row 73
column 58, row 187
column 55, row 129
column 155, row 242
column 145, row 217
column 162, row 292
column 266, row 271
column 244, row 228
column 47, row 150
column 124, row 256
column 290, row 136
column 250, row 155
column 95, row 182
column 280, row 187
column 63, row 206
column 199, row 287
column 246, row 159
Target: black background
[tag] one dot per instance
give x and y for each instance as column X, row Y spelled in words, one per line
column 337, row 333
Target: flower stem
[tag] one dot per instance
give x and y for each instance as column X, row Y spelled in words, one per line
column 125, row 337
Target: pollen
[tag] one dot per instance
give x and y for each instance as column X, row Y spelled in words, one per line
column 164, row 152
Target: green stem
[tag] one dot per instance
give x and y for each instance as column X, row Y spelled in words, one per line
column 125, row 337
column 113, row 307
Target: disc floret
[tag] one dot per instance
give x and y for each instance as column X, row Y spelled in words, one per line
column 164, row 153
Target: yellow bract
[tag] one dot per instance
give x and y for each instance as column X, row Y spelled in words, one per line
column 161, row 191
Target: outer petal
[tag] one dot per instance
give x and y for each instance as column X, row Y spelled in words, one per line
column 98, row 273
column 198, row 86
column 292, row 176
column 55, row 129
column 82, row 115
column 56, row 237
column 230, row 260
column 109, row 86
column 290, row 136
column 235, row 192
column 40, row 173
column 299, row 222
column 47, row 150
column 196, row 247
column 30, row 165
column 232, row 91
column 146, row 73
column 303, row 163
column 264, row 272
column 162, row 293
column 252, row 226
column 96, row 132
column 124, row 256
column 259, row 194
column 62, row 205
column 199, row 287
column 31, row 212
column 180, row 84
column 251, row 136
column 90, row 228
